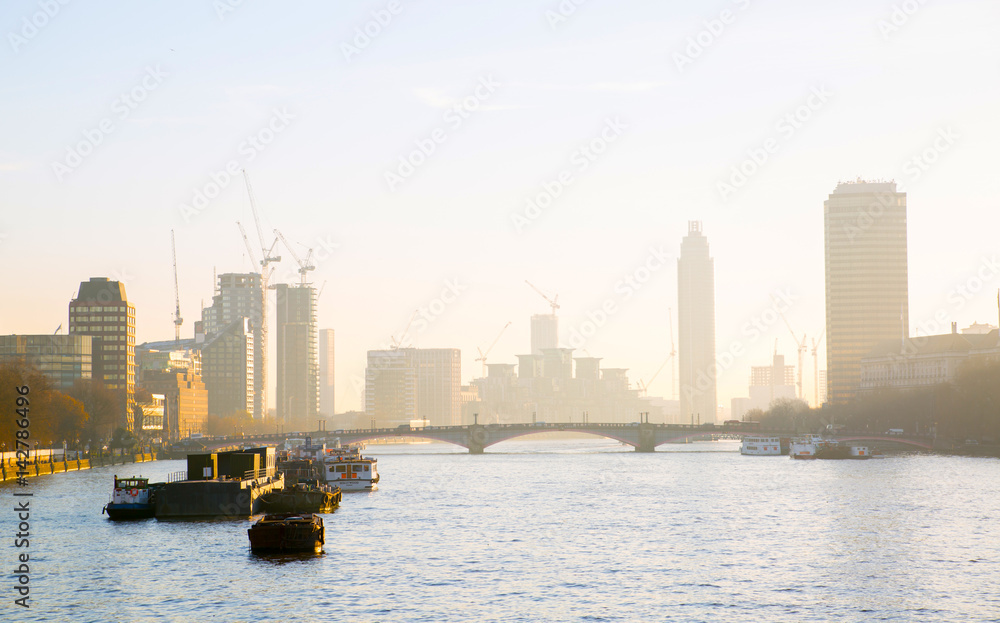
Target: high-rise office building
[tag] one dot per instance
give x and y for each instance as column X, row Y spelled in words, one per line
column 696, row 327
column 297, row 398
column 102, row 311
column 241, row 295
column 62, row 358
column 227, row 364
column 414, row 383
column 544, row 332
column 866, row 278
column 326, row 377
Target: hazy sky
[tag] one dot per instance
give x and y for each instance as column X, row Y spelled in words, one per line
column 619, row 119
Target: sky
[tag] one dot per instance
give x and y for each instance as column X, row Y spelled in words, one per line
column 437, row 154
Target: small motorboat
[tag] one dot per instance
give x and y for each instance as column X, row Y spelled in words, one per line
column 288, row 532
column 131, row 499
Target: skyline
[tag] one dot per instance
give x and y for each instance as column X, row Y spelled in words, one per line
column 873, row 102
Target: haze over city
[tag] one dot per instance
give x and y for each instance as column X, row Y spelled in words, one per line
column 456, row 151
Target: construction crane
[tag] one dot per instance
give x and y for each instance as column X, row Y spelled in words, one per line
column 673, row 354
column 268, row 258
column 645, row 386
column 178, row 321
column 253, row 256
column 304, row 265
column 816, row 343
column 802, row 345
column 483, row 356
column 552, row 302
column 397, row 344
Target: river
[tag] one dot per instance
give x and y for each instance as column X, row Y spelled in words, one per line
column 546, row 530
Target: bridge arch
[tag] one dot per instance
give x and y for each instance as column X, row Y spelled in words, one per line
column 565, row 429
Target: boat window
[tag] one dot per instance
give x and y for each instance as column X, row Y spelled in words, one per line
column 341, row 469
column 355, row 468
column 366, row 468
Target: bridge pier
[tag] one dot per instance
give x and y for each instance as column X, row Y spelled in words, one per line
column 476, row 439
column 647, row 438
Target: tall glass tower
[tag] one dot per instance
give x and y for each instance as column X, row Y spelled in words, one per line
column 866, row 280
column 696, row 327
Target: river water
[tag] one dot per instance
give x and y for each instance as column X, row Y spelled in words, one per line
column 547, row 530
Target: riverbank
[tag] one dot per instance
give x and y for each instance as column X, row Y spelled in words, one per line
column 9, row 468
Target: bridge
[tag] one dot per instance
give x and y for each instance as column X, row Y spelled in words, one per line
column 644, row 437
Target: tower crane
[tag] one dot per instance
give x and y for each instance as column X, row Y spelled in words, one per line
column 645, row 386
column 304, row 265
column 816, row 343
column 483, row 356
column 673, row 354
column 178, row 321
column 268, row 258
column 397, row 344
column 802, row 345
column 552, row 302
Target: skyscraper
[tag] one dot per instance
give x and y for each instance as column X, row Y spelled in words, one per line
column 326, row 364
column 227, row 363
column 297, row 399
column 696, row 327
column 409, row 383
column 241, row 295
column 544, row 332
column 101, row 310
column 867, row 296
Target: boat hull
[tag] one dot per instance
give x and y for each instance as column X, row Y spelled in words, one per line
column 300, row 501
column 287, row 533
column 128, row 512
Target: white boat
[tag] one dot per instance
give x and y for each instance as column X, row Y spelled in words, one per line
column 805, row 447
column 350, row 471
column 341, row 467
column 761, row 446
column 860, row 452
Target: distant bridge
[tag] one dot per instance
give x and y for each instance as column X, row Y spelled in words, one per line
column 643, row 437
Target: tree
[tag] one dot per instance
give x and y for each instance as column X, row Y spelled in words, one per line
column 101, row 404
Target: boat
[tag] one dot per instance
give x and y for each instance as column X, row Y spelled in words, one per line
column 288, row 532
column 342, row 467
column 860, row 453
column 761, row 446
column 833, row 450
column 132, row 499
column 806, row 447
column 302, row 497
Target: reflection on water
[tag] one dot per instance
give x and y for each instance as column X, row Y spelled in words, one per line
column 555, row 530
